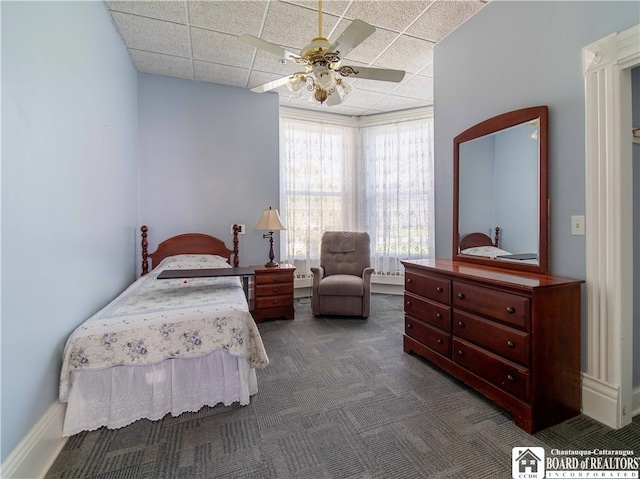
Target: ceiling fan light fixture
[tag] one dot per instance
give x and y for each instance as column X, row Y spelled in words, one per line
column 343, row 88
column 320, row 95
column 324, row 77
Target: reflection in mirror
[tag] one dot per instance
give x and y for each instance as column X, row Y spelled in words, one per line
column 500, row 191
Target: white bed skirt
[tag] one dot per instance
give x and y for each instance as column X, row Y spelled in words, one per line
column 120, row 395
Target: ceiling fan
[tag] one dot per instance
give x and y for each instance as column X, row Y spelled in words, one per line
column 322, row 61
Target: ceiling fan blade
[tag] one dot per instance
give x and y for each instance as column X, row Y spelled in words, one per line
column 261, row 44
column 368, row 73
column 353, row 36
column 270, row 85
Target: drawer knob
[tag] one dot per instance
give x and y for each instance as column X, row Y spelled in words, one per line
column 460, row 352
column 408, row 303
column 439, row 289
column 439, row 341
column 510, row 378
column 275, row 301
column 461, row 324
column 275, row 290
column 461, row 295
column 439, row 315
column 511, row 344
column 511, row 309
column 409, row 326
column 409, row 280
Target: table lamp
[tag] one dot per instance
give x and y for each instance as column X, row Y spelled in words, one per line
column 270, row 221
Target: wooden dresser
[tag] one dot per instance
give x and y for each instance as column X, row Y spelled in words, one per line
column 514, row 337
column 273, row 296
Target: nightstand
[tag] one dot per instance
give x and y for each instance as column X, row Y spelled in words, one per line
column 273, row 294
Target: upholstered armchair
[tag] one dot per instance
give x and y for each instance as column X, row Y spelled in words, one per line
column 342, row 284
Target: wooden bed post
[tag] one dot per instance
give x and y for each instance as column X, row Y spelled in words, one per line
column 145, row 252
column 497, row 240
column 236, row 260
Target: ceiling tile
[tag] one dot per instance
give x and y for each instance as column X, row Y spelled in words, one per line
column 335, row 7
column 369, row 49
column 152, row 35
column 234, row 17
column 220, row 48
column 292, row 26
column 266, row 62
column 162, row 64
column 362, row 98
column 393, row 103
column 407, row 53
column 442, row 17
column 417, row 86
column 391, row 15
column 374, row 85
column 170, row 11
column 224, row 74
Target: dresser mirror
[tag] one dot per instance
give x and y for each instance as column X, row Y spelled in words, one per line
column 500, row 200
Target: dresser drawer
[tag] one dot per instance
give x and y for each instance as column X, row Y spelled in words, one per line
column 509, row 342
column 431, row 287
column 429, row 311
column 434, row 338
column 510, row 308
column 274, row 289
column 506, row 375
column 274, row 301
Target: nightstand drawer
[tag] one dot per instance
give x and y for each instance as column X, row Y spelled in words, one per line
column 274, row 289
column 275, row 277
column 274, row 301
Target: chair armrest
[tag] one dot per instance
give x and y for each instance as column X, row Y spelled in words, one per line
column 318, row 274
column 366, row 275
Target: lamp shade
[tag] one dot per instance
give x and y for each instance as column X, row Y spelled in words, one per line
column 270, row 221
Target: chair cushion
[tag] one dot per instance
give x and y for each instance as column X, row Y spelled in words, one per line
column 341, row 285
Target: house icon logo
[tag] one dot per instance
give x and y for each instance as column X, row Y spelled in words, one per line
column 527, row 462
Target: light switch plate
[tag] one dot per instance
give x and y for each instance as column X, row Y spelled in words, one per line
column 577, row 225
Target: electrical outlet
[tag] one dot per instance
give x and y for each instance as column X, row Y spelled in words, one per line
column 241, row 229
column 577, row 225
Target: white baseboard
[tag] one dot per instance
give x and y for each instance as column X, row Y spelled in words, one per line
column 35, row 454
column 600, row 400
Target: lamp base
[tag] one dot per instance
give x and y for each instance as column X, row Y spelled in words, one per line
column 271, row 264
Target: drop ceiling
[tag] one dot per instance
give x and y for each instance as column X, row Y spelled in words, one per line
column 198, row 40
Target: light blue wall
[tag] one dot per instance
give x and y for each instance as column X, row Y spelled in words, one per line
column 68, row 190
column 635, row 82
column 208, row 159
column 512, row 55
column 476, row 172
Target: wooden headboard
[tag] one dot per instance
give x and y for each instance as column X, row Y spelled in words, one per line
column 474, row 240
column 188, row 243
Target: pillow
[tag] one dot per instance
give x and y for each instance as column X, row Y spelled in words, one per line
column 193, row 261
column 486, row 251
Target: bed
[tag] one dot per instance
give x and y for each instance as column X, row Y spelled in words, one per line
column 479, row 244
column 164, row 345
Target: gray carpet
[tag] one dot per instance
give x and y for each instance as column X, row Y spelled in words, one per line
column 340, row 399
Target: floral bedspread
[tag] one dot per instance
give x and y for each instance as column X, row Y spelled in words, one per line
column 156, row 319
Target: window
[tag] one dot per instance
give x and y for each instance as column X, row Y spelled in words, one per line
column 349, row 176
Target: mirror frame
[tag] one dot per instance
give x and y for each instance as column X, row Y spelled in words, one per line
column 493, row 125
